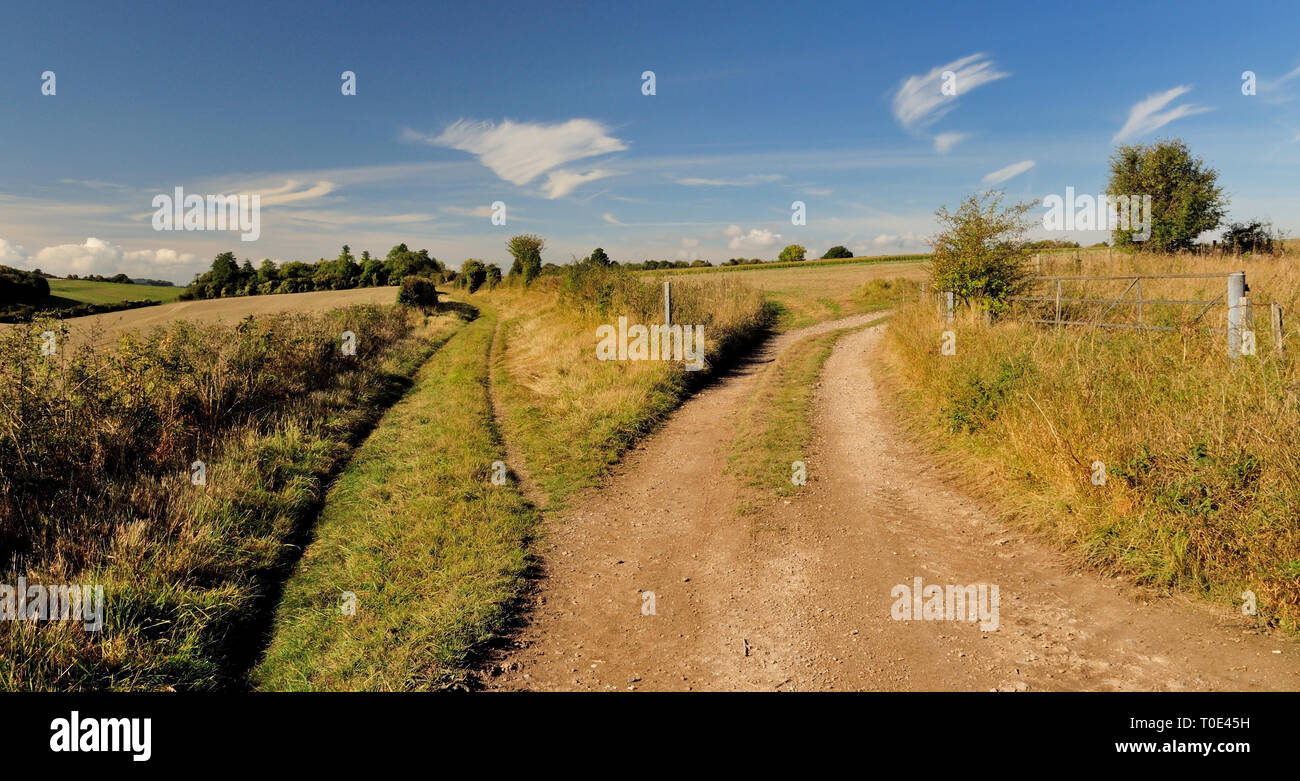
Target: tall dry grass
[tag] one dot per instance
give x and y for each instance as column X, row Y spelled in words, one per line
column 96, row 448
column 1201, row 451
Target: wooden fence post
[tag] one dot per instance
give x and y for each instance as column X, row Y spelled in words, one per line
column 668, row 303
column 949, row 301
column 922, row 292
column 1275, row 315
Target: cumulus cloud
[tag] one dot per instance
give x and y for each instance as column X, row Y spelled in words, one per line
column 920, row 101
column 1003, row 174
column 96, row 256
column 1147, row 114
column 755, row 238
column 886, row 242
column 12, row 254
column 519, row 152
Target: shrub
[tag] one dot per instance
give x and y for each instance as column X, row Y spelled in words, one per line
column 419, row 293
column 838, row 251
column 980, row 252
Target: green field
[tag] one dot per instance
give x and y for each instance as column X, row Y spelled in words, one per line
column 70, row 292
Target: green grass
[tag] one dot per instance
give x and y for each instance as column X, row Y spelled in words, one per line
column 434, row 552
column 83, row 291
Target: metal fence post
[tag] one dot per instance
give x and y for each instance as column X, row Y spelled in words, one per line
column 1236, row 290
column 668, row 303
column 1058, row 303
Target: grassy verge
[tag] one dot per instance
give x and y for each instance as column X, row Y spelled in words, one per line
column 414, row 528
column 1202, row 468
column 572, row 416
column 96, row 484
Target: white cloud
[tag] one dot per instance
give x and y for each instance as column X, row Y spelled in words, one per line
column 819, row 191
column 96, row 256
column 752, row 179
column 11, row 254
column 477, row 211
column 887, row 243
column 1146, row 114
column 920, row 101
column 290, row 192
column 519, row 152
column 756, row 238
column 1003, row 174
column 561, row 183
column 690, row 243
column 944, row 142
column 611, row 219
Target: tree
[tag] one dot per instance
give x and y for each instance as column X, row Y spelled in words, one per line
column 979, row 253
column 1185, row 197
column 838, row 251
column 598, row 257
column 473, row 274
column 792, row 253
column 493, row 275
column 526, row 248
column 224, row 268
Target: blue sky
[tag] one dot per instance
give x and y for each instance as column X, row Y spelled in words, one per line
column 540, row 106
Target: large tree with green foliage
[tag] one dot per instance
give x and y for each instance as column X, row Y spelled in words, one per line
column 792, row 253
column 1186, row 200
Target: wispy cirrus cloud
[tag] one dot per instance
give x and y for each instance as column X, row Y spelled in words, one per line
column 920, row 100
column 520, row 152
column 944, row 142
column 1148, row 114
column 1008, row 172
column 746, row 181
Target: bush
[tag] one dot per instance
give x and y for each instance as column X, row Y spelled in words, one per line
column 980, row 254
column 838, row 251
column 418, row 292
column 1256, row 236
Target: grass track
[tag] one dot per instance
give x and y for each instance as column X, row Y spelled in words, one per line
column 434, row 552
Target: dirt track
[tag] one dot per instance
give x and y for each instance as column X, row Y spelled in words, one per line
column 798, row 597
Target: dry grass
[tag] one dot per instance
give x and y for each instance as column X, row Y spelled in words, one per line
column 812, row 294
column 1202, row 460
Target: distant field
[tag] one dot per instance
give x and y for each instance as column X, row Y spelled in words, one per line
column 812, row 293
column 101, row 329
column 85, row 291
